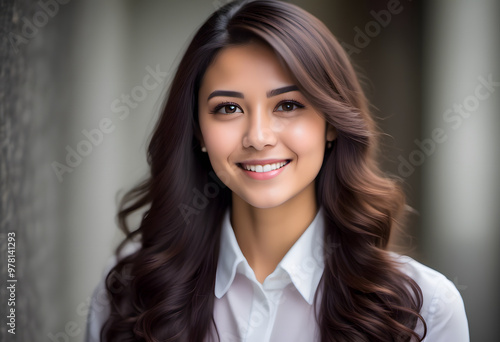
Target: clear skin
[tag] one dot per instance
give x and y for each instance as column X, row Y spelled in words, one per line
column 268, row 215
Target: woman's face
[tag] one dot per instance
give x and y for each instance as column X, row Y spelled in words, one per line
column 264, row 140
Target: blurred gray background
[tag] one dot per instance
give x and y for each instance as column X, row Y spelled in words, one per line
column 76, row 115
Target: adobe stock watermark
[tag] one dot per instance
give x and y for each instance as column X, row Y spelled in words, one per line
column 456, row 116
column 259, row 315
column 120, row 108
column 323, row 249
column 381, row 19
column 298, row 273
column 99, row 304
column 201, row 198
column 47, row 9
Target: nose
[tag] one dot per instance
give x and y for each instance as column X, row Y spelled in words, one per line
column 260, row 130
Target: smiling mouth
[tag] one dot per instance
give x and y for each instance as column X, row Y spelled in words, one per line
column 263, row 168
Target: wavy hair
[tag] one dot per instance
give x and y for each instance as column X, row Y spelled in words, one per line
column 170, row 297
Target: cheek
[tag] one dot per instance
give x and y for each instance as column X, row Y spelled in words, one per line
column 221, row 139
column 306, row 138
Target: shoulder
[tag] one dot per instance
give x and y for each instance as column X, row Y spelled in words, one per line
column 443, row 308
column 99, row 304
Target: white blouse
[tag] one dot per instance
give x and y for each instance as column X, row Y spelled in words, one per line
column 281, row 308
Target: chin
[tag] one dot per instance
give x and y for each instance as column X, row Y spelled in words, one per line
column 264, row 202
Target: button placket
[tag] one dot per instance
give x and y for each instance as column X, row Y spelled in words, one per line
column 258, row 319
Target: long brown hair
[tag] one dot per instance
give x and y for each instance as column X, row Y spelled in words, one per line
column 170, row 297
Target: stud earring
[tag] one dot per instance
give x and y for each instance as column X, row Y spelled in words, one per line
column 329, row 144
column 203, row 149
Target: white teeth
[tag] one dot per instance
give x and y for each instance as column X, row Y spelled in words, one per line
column 265, row 168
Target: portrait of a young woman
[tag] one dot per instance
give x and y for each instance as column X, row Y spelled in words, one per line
column 268, row 217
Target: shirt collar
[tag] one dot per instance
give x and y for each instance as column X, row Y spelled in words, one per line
column 303, row 262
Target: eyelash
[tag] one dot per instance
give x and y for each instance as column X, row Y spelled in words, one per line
column 223, row 104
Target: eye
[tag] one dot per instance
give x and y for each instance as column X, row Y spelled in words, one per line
column 288, row 106
column 226, row 108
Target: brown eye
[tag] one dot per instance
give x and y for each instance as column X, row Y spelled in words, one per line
column 288, row 106
column 230, row 108
column 227, row 108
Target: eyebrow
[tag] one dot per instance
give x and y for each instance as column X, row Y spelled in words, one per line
column 237, row 94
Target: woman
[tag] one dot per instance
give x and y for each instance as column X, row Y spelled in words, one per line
column 267, row 217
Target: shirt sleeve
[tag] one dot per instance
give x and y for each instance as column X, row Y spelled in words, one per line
column 99, row 310
column 442, row 308
column 98, row 313
column 446, row 320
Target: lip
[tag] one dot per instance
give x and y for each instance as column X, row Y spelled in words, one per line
column 263, row 175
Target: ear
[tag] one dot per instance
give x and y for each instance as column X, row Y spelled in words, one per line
column 331, row 132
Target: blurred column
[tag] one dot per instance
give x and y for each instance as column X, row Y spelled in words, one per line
column 459, row 153
column 91, row 76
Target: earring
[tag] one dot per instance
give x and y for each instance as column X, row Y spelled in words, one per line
column 329, row 144
column 203, row 149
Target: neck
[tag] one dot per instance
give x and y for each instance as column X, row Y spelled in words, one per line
column 266, row 235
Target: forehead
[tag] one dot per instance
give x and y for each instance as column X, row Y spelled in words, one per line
column 245, row 65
